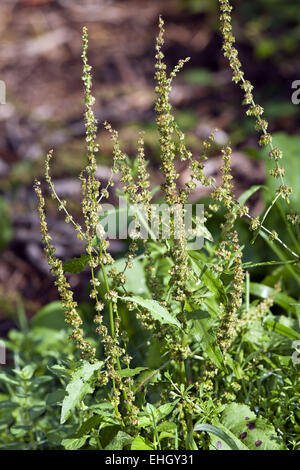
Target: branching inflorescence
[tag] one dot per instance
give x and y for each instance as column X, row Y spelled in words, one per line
column 177, row 298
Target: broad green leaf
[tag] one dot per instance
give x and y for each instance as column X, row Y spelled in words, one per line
column 159, row 414
column 120, row 440
column 55, row 397
column 166, row 409
column 73, row 444
column 105, row 409
column 158, row 312
column 202, row 231
column 202, row 331
column 236, row 413
column 76, row 265
column 60, row 371
column 26, row 372
column 274, row 325
column 131, row 372
column 20, row 431
column 51, row 316
column 166, row 426
column 37, row 381
column 135, row 282
column 80, row 385
column 140, row 443
column 146, row 378
column 251, row 431
column 205, row 233
column 207, row 278
column 235, row 366
column 197, row 314
column 219, row 433
column 89, row 424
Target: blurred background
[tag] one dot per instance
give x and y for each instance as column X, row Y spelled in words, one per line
column 41, row 67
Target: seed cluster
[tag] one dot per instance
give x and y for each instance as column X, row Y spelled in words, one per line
column 99, row 258
column 255, row 110
column 70, row 306
column 229, row 253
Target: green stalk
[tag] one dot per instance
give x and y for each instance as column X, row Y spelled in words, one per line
column 247, row 291
column 112, row 327
column 185, row 373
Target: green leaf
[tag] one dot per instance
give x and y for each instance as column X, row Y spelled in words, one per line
column 140, row 443
column 60, row 371
column 283, row 300
column 37, row 381
column 197, row 314
column 219, row 433
column 235, row 366
column 146, row 378
column 105, row 409
column 55, row 398
column 26, row 372
column 80, row 385
column 131, row 372
column 274, row 325
column 73, row 444
column 247, row 194
column 166, row 435
column 250, row 431
column 202, row 331
column 212, row 283
column 76, row 265
column 7, row 404
column 135, row 282
column 158, row 312
column 120, row 440
column 202, row 231
column 158, row 414
column 20, row 431
column 166, row 409
column 166, row 426
column 89, row 424
column 51, row 316
column 7, row 379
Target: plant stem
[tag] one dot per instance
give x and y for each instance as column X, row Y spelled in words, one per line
column 112, row 327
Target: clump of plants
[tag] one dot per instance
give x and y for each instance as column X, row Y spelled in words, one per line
column 177, row 348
